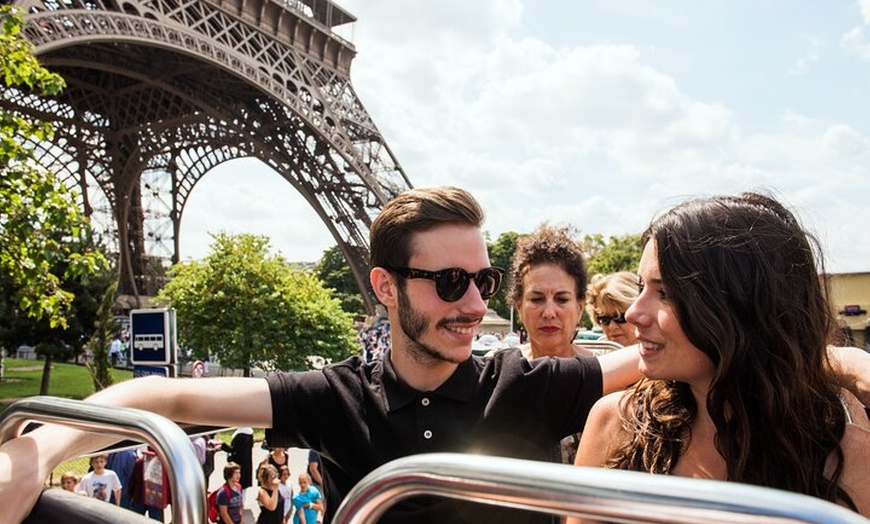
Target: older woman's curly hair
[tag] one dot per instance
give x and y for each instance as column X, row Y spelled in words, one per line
column 548, row 245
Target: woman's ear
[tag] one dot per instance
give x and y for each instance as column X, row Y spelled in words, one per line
column 384, row 286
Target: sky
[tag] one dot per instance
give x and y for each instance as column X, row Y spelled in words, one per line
column 599, row 114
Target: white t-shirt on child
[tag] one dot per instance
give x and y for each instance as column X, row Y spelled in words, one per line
column 100, row 486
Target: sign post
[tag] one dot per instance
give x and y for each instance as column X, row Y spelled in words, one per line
column 153, row 344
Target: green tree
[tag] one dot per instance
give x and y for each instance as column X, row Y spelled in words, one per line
column 501, row 254
column 42, row 227
column 104, row 327
column 617, row 253
column 249, row 307
column 336, row 274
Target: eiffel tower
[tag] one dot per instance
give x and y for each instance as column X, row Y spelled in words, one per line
column 159, row 92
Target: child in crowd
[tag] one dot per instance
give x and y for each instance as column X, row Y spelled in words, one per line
column 68, row 481
column 101, row 482
column 306, row 502
column 286, row 491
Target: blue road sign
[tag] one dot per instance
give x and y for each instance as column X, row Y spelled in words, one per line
column 152, row 336
column 160, row 371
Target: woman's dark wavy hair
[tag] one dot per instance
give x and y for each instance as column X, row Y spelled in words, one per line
column 742, row 276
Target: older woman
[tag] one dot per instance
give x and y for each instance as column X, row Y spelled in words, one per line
column 607, row 300
column 547, row 286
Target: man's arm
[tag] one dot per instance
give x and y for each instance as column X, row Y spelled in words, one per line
column 314, row 470
column 619, row 369
column 25, row 462
column 851, row 367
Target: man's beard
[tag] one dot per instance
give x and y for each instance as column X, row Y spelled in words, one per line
column 414, row 324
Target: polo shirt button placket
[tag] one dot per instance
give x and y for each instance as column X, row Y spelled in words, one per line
column 425, row 401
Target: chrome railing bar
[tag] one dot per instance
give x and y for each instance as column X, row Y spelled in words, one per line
column 186, row 481
column 621, row 496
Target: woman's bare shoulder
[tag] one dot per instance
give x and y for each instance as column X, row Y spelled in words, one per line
column 856, row 452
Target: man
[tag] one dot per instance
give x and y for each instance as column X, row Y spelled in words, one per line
column 431, row 270
column 115, row 350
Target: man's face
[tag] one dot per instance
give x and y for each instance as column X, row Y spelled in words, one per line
column 433, row 330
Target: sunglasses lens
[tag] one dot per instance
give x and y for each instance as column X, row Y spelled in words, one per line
column 605, row 320
column 452, row 284
column 488, row 282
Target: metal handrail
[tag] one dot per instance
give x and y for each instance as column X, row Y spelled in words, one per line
column 624, row 496
column 599, row 347
column 184, row 472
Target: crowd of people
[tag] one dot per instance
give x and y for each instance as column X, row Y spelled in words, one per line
column 732, row 376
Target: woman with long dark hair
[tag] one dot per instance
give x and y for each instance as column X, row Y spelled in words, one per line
column 734, row 325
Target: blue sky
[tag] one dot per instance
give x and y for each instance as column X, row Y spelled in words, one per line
column 597, row 113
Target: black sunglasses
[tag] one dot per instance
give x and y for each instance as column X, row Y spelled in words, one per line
column 452, row 283
column 605, row 320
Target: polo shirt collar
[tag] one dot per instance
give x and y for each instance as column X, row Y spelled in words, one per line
column 460, row 386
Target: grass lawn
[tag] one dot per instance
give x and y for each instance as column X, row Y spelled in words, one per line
column 21, row 379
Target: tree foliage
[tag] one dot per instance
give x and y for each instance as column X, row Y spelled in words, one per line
column 336, row 274
column 617, row 253
column 501, row 254
column 44, row 236
column 248, row 307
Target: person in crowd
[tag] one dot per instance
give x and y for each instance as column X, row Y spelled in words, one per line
column 211, row 448
column 149, row 486
column 199, row 448
column 277, row 457
column 307, row 502
column 230, row 498
column 241, row 451
column 734, row 327
column 122, row 463
column 269, row 496
column 101, row 483
column 430, row 269
column 607, row 300
column 69, row 481
column 315, row 468
column 286, row 492
column 547, row 287
column 115, row 350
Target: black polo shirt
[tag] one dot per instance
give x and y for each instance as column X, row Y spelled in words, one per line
column 360, row 416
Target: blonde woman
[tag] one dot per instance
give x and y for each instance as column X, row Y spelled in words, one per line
column 607, row 299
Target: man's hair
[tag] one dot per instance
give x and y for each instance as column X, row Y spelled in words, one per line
column 416, row 211
column 230, row 468
column 613, row 291
column 548, row 245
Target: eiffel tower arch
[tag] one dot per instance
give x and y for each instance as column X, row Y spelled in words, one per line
column 159, row 92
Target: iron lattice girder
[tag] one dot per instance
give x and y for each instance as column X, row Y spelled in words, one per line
column 182, row 86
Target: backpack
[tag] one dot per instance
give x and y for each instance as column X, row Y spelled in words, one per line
column 213, row 512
